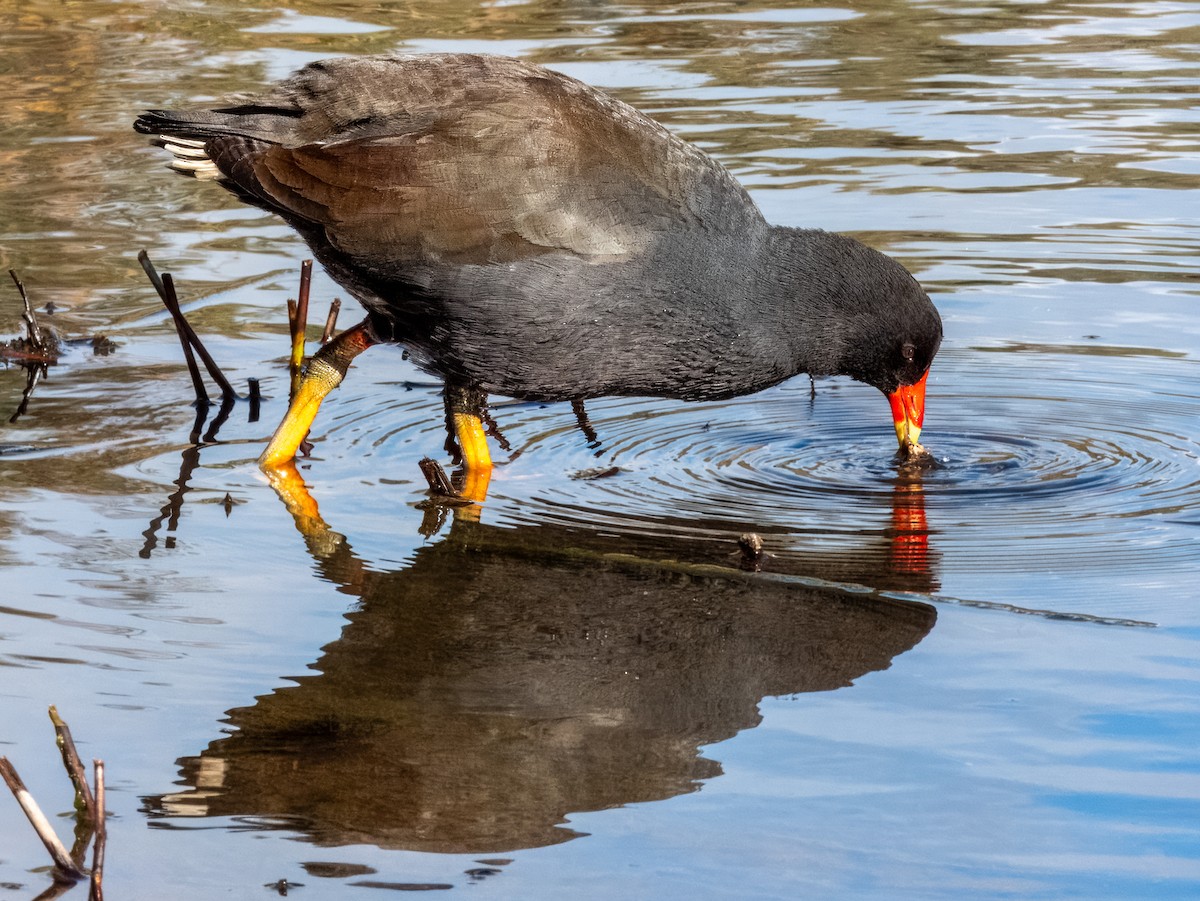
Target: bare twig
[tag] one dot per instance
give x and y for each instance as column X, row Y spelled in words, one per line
column 64, row 868
column 96, row 892
column 227, row 392
column 331, row 321
column 152, row 273
column 255, row 398
column 171, row 301
column 35, row 330
column 83, row 793
column 299, row 325
column 165, row 286
column 301, row 317
column 160, row 286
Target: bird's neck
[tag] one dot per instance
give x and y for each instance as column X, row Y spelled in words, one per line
column 801, row 298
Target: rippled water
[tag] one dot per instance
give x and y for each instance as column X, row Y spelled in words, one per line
column 977, row 679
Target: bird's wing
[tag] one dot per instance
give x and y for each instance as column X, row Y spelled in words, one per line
column 410, row 159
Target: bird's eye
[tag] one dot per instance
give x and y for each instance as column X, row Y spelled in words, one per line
column 908, row 352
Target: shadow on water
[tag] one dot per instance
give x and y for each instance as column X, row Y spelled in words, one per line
column 477, row 696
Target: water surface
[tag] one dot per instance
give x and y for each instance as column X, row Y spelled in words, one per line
column 978, row 680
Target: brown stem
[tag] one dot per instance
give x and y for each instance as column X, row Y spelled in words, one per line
column 83, row 793
column 96, row 892
column 165, row 286
column 227, row 392
column 435, row 476
column 35, row 330
column 172, row 304
column 255, row 398
column 331, row 321
column 33, row 375
column 299, row 325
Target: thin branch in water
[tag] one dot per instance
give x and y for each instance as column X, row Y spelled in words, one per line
column 35, row 352
column 160, row 285
column 74, row 766
column 299, row 325
column 165, row 286
column 152, row 273
column 64, row 867
column 96, row 892
column 255, row 399
column 331, row 321
column 35, row 330
column 293, row 369
column 305, row 287
column 227, row 392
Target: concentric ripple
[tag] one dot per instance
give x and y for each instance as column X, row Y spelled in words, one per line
column 1049, row 461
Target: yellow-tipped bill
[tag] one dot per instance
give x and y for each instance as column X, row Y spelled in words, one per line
column 908, row 410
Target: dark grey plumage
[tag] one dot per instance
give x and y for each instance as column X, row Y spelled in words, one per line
column 529, row 235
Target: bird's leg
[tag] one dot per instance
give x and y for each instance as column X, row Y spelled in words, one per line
column 585, row 424
column 324, row 372
column 465, row 411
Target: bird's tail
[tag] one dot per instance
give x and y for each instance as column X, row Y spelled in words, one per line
column 184, row 136
column 188, row 135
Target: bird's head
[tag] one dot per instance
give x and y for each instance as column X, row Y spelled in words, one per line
column 880, row 327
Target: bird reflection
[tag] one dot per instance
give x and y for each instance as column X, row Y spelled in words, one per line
column 508, row 677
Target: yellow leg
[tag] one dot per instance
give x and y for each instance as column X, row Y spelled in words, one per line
column 477, row 461
column 325, row 372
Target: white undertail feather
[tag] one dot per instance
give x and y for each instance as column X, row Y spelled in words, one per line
column 189, row 157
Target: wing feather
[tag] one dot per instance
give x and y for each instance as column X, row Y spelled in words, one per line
column 407, row 159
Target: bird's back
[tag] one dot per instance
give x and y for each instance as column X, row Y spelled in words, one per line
column 502, row 219
column 460, row 158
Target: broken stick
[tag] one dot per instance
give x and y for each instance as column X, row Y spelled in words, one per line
column 65, row 869
column 299, row 323
column 96, row 892
column 66, row 745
